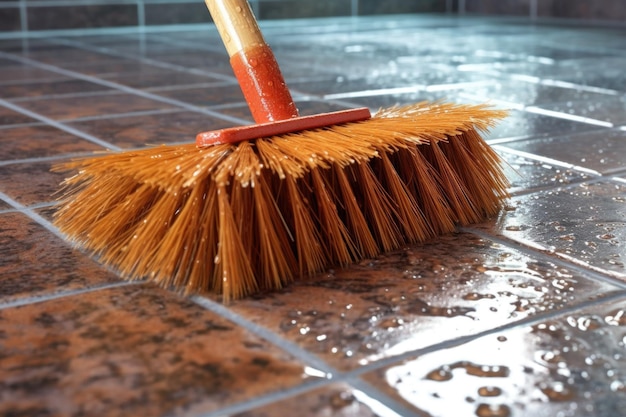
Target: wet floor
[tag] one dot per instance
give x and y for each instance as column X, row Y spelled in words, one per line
column 523, row 315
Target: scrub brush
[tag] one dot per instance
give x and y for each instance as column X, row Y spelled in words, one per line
column 252, row 208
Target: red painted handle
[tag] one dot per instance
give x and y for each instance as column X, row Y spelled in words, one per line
column 253, row 61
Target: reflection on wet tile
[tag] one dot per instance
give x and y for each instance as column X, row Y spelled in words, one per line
column 527, row 174
column 522, row 124
column 41, row 141
column 337, row 400
column 151, row 129
column 600, row 150
column 611, row 109
column 207, row 96
column 34, row 262
column 134, row 348
column 585, row 224
column 406, row 300
column 152, row 78
column 573, row 365
column 95, row 105
column 30, row 183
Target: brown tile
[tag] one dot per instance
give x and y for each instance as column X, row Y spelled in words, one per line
column 136, row 348
column 30, row 183
column 454, row 286
column 155, row 78
column 10, row 117
column 41, row 141
column 337, row 400
column 154, row 129
column 17, row 73
column 35, row 262
column 584, row 224
column 82, row 16
column 55, row 86
column 573, row 365
column 207, row 96
column 95, row 105
column 527, row 174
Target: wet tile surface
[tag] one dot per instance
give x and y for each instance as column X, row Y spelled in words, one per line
column 519, row 316
column 105, row 351
column 36, row 263
column 571, row 365
column 416, row 298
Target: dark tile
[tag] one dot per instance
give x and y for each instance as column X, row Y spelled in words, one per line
column 584, row 224
column 175, row 14
column 207, row 96
column 57, row 86
column 155, row 78
column 337, row 400
column 600, row 150
column 30, row 183
column 520, row 124
column 374, row 7
column 454, row 286
column 35, row 262
column 10, row 19
column 82, row 16
column 296, row 9
column 94, row 105
column 136, row 348
column 572, row 365
column 527, row 174
column 12, row 74
column 154, row 129
column 41, row 141
column 501, row 7
column 577, row 9
column 10, row 117
column 611, row 109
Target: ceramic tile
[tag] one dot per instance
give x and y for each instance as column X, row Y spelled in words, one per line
column 41, row 141
column 10, row 117
column 207, row 96
column 155, row 78
column 95, row 105
column 14, row 73
column 457, row 285
column 520, row 124
column 35, row 262
column 338, row 400
column 136, row 348
column 585, row 224
column 600, row 150
column 82, row 16
column 30, row 183
column 526, row 175
column 151, row 129
column 572, row 365
column 611, row 109
column 48, row 88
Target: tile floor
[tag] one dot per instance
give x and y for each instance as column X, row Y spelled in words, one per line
column 524, row 315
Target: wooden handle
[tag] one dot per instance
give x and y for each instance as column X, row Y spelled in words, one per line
column 253, row 62
column 236, row 24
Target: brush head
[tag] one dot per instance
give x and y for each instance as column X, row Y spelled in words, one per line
column 239, row 218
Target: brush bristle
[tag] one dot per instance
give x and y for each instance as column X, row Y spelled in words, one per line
column 236, row 219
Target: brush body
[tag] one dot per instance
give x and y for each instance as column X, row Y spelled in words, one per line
column 239, row 218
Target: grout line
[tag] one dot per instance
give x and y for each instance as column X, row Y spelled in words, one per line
column 53, row 158
column 20, row 302
column 287, row 346
column 57, row 124
column 379, row 402
column 28, row 211
column 451, row 343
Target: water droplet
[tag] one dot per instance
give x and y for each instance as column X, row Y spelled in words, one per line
column 441, row 374
column 493, row 410
column 557, row 391
column 489, row 391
